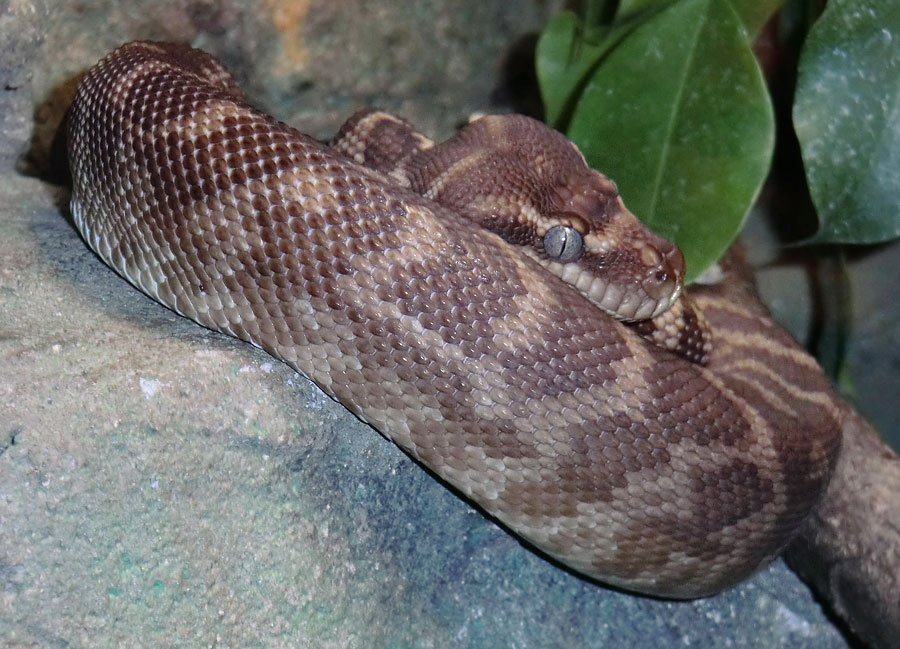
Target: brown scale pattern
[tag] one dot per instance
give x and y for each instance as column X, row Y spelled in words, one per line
column 621, row 459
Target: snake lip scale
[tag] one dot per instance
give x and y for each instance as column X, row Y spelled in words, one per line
column 638, row 464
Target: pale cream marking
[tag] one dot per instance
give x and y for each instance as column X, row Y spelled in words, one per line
column 710, row 303
column 460, row 167
column 758, row 341
column 741, row 369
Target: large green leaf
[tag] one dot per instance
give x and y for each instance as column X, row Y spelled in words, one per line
column 847, row 118
column 565, row 58
column 754, row 14
column 631, row 7
column 678, row 115
column 566, row 54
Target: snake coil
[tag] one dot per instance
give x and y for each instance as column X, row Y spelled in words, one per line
column 625, row 461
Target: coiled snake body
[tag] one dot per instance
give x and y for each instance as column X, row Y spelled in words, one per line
column 625, row 461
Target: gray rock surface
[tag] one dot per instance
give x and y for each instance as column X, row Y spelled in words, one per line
column 163, row 486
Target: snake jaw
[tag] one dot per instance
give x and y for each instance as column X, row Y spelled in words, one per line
column 627, row 302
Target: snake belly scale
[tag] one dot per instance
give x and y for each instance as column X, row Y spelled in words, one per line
column 622, row 460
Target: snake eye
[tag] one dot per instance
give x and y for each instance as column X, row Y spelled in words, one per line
column 563, row 243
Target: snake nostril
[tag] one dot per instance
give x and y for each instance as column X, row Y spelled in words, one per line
column 663, row 282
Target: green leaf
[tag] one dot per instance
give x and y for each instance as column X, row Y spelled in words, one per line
column 847, row 118
column 754, row 14
column 566, row 56
column 561, row 64
column 568, row 50
column 633, row 6
column 678, row 115
column 563, row 60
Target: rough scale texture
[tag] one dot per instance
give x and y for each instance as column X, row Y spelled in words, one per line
column 624, row 461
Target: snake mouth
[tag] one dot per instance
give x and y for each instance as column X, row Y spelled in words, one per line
column 625, row 299
column 623, row 268
column 630, row 291
column 629, row 302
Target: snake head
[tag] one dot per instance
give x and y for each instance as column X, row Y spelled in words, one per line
column 588, row 238
column 527, row 183
column 580, row 229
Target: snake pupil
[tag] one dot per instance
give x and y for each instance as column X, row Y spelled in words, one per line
column 563, row 243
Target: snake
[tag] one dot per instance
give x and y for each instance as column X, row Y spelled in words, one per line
column 508, row 359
